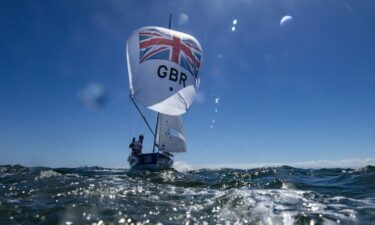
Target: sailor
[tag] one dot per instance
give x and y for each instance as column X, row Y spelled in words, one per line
column 140, row 141
column 131, row 145
column 136, row 146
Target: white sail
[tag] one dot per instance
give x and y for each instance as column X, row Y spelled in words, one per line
column 163, row 69
column 170, row 134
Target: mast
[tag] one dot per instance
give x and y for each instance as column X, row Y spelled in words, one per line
column 170, row 20
column 156, row 131
column 157, row 117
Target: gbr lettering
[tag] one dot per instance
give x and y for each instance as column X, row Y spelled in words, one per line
column 172, row 74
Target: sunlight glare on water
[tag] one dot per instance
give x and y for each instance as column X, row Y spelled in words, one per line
column 256, row 196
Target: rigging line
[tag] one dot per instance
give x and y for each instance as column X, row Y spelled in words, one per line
column 147, row 115
column 183, row 100
column 137, row 124
column 139, row 127
column 143, row 117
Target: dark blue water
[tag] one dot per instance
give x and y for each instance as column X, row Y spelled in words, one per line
column 274, row 195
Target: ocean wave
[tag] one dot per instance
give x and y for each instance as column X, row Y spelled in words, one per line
column 12, row 169
column 266, row 195
column 48, row 174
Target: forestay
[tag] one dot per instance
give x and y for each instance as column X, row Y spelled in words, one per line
column 163, row 69
column 170, row 134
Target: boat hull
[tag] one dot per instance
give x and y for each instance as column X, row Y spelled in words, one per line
column 150, row 161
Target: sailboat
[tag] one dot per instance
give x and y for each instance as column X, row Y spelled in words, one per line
column 163, row 67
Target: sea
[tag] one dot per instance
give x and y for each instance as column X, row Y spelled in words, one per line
column 267, row 195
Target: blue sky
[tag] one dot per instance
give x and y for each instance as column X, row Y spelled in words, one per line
column 303, row 93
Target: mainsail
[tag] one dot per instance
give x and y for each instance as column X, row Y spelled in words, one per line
column 163, row 69
column 170, row 134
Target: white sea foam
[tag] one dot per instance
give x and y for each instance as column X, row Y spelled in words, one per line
column 47, row 174
column 272, row 207
column 344, row 163
column 182, row 166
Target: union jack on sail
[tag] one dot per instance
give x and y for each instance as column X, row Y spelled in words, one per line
column 155, row 44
